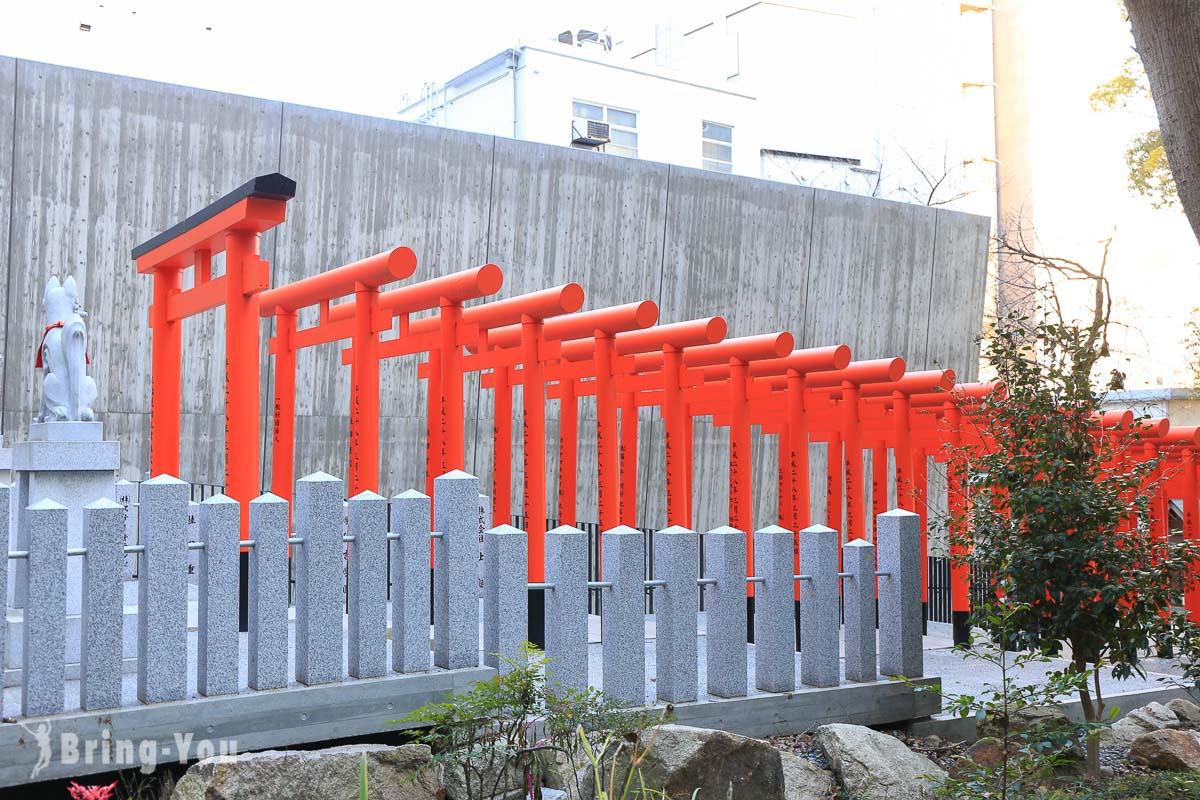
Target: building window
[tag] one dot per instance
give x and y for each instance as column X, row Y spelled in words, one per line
column 622, row 126
column 718, row 147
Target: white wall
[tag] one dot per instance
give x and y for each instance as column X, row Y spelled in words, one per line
column 670, row 112
column 880, row 82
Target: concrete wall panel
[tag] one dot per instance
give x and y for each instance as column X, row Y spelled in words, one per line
column 8, row 99
column 562, row 215
column 959, row 271
column 365, row 185
column 102, row 163
column 871, row 263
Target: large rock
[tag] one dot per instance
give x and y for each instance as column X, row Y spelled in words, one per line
column 1167, row 749
column 1151, row 717
column 1154, row 717
column 1023, row 719
column 486, row 778
column 1187, row 711
column 804, row 780
column 682, row 759
column 874, row 766
column 393, row 773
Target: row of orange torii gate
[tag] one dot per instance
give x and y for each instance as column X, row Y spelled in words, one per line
column 557, row 352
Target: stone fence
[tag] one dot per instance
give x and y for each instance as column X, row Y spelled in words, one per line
column 344, row 638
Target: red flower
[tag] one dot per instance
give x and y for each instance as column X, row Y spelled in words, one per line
column 78, row 792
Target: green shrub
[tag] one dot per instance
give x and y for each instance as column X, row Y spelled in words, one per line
column 1155, row 786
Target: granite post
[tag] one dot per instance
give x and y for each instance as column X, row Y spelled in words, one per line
column 858, row 598
column 103, row 605
column 622, row 615
column 319, row 579
column 676, row 560
column 162, row 591
column 505, row 597
column 725, row 610
column 898, row 538
column 456, row 571
column 820, row 618
column 366, row 586
column 5, row 520
column 410, row 582
column 566, row 608
column 219, row 528
column 267, row 605
column 774, row 611
column 43, row 671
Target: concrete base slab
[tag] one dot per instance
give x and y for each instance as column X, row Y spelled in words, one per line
column 66, row 431
column 83, row 743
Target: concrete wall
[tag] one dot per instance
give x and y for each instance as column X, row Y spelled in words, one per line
column 95, row 164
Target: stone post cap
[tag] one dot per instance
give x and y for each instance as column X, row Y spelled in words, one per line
column 818, row 529
column 621, row 530
column 857, row 543
column 726, row 530
column 102, row 504
column 268, row 497
column 676, row 530
column 563, row 530
column 163, row 480
column 319, row 477
column 367, row 494
column 410, row 494
column 773, row 529
column 455, row 475
column 900, row 513
column 219, row 500
column 46, row 505
column 505, row 530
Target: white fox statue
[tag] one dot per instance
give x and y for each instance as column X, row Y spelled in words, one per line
column 67, row 389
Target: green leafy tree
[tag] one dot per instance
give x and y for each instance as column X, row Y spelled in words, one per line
column 1149, row 172
column 1057, row 512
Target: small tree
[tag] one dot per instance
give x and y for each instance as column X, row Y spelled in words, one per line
column 1058, row 511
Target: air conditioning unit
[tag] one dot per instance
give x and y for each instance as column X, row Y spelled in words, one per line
column 595, row 133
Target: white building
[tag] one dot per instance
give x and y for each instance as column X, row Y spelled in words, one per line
column 884, row 98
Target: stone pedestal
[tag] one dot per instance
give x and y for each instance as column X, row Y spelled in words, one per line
column 69, row 463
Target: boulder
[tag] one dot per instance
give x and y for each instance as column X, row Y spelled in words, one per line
column 393, row 773
column 1187, row 711
column 1023, row 719
column 1152, row 717
column 804, row 780
column 874, row 766
column 988, row 752
column 486, row 778
column 682, row 759
column 1167, row 749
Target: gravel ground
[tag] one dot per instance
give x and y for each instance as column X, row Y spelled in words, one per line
column 941, row 751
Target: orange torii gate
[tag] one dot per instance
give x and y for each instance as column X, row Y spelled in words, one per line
column 361, row 321
column 596, row 326
column 231, row 225
column 615, row 357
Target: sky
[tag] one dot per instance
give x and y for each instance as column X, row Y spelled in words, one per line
column 373, row 58
column 1081, row 196
column 350, row 55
